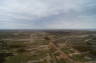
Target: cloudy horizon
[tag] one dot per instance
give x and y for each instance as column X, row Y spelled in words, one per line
column 47, row 14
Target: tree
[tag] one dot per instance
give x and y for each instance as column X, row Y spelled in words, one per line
column 92, row 44
column 3, row 46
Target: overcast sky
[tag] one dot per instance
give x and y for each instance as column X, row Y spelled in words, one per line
column 47, row 14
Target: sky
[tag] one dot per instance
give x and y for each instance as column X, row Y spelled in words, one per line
column 47, row 14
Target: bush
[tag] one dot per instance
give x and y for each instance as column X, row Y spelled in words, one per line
column 17, row 59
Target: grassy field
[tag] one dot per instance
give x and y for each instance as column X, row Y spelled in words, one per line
column 28, row 47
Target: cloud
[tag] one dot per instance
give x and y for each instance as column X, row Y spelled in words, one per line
column 15, row 25
column 46, row 14
column 78, row 23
